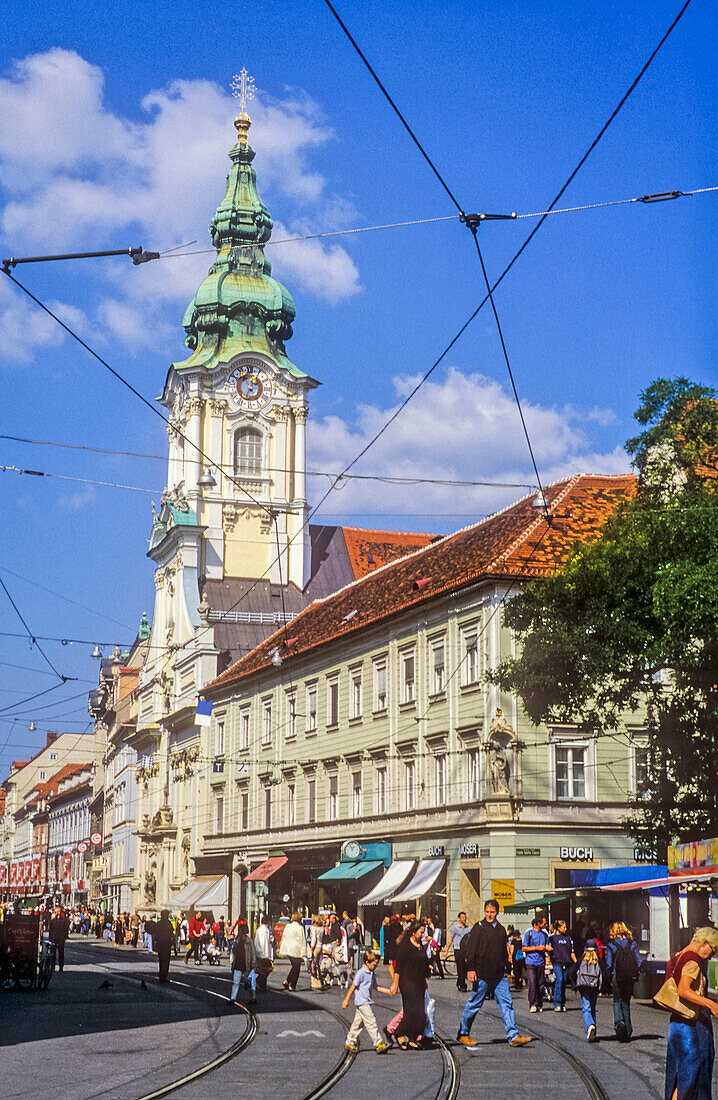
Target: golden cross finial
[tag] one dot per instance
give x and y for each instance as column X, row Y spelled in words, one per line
column 243, row 89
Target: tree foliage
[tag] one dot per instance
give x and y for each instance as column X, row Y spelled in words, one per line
column 631, row 620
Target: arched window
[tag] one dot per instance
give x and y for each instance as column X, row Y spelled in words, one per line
column 248, row 452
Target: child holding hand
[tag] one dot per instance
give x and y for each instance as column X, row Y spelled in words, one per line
column 362, row 986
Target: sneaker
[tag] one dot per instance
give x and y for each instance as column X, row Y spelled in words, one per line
column 558, row 1008
column 466, row 1041
column 351, row 1047
column 591, row 1034
column 622, row 1031
column 533, row 1008
column 381, row 1048
column 520, row 1041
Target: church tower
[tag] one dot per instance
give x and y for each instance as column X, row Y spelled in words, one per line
column 241, row 401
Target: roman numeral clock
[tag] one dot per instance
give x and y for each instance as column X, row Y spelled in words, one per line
column 250, row 386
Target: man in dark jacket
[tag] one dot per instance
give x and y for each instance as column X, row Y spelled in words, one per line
column 58, row 932
column 163, row 936
column 487, row 961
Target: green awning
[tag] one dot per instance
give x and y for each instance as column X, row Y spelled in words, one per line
column 354, row 870
column 535, row 903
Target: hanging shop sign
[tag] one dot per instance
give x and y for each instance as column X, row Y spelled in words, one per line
column 504, row 890
column 578, row 855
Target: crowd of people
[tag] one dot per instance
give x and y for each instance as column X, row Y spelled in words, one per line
column 547, row 959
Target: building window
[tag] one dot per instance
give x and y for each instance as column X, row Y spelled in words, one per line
column 244, row 730
column 410, row 783
column 408, row 677
column 470, row 656
column 640, row 771
column 570, row 771
column 291, row 715
column 381, row 789
column 291, row 804
column 311, row 800
column 41, row 775
column 53, row 756
column 438, row 668
column 333, row 804
column 244, row 810
column 474, row 760
column 357, row 795
column 311, row 708
column 267, row 722
column 333, row 702
column 219, row 815
column 380, row 696
column 356, row 694
column 440, row 775
column 219, row 739
column 248, row 452
column 268, row 807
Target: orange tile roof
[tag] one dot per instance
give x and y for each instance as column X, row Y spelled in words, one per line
column 369, row 550
column 54, row 781
column 516, row 542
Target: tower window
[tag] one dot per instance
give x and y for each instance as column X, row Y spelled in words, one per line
column 248, row 451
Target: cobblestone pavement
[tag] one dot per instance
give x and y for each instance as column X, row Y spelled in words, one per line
column 82, row 1038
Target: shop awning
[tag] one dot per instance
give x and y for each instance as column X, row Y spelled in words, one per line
column 266, row 869
column 535, row 903
column 394, row 877
column 669, row 880
column 189, row 895
column 350, row 870
column 216, row 896
column 424, row 878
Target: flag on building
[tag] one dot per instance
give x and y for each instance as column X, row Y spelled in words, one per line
column 204, row 712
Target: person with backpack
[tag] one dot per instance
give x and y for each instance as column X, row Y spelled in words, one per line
column 624, row 961
column 588, row 982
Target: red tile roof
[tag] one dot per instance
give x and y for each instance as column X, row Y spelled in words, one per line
column 516, row 542
column 369, row 550
column 54, row 781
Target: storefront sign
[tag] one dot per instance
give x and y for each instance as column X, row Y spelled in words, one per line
column 697, row 854
column 436, row 850
column 641, row 856
column 504, row 890
column 101, row 863
column 528, row 853
column 577, row 854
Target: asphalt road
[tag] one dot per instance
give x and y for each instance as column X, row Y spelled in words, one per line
column 84, row 1038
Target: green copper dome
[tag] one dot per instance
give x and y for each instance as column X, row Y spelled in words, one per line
column 239, row 307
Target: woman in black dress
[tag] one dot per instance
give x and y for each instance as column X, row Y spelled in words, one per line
column 411, row 969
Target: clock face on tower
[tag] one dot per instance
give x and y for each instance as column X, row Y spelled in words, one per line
column 250, row 387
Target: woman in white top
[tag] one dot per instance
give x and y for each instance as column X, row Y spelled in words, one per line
column 263, row 945
column 294, row 948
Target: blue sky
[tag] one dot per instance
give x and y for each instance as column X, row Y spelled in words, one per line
column 114, row 131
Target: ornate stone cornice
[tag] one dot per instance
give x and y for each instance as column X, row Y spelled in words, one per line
column 301, row 414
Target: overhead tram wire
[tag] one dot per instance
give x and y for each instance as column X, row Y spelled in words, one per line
column 32, row 637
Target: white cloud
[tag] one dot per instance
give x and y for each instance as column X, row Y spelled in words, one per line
column 75, row 172
column 25, row 328
column 464, row 427
column 76, row 501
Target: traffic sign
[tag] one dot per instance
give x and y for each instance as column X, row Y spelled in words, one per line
column 96, row 838
column 82, row 846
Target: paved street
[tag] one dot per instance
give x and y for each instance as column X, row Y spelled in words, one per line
column 126, row 1040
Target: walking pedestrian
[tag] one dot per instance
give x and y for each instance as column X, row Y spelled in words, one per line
column 263, row 947
column 411, row 969
column 294, row 948
column 58, row 931
column 624, row 962
column 457, row 934
column 135, row 927
column 487, row 961
column 536, row 948
column 197, row 929
column 391, row 934
column 363, row 985
column 588, row 981
column 691, row 1049
column 432, row 939
column 562, row 957
column 244, row 961
column 162, row 939
column 516, row 955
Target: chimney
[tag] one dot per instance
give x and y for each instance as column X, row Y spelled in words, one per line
column 51, row 736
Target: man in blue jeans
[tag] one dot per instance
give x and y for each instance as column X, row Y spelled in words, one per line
column 536, row 948
column 562, row 957
column 487, row 962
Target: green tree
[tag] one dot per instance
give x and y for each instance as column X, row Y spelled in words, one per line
column 631, row 619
